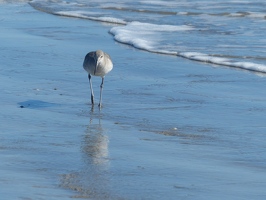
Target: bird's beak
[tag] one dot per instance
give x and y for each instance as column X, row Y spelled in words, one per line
column 96, row 66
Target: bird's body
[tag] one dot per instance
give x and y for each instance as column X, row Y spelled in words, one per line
column 97, row 63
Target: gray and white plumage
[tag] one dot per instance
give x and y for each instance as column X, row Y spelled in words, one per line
column 97, row 63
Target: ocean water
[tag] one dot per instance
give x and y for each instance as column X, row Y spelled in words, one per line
column 197, row 128
column 227, row 33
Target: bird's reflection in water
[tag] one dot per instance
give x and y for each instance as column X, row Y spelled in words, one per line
column 92, row 179
column 95, row 156
column 95, row 144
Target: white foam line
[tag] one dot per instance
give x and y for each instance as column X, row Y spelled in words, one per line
column 223, row 61
column 156, row 27
column 124, row 36
column 148, row 46
column 82, row 15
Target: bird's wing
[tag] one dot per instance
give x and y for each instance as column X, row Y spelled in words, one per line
column 89, row 62
column 89, row 58
column 90, row 55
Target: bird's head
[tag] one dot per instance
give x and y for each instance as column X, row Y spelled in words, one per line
column 99, row 56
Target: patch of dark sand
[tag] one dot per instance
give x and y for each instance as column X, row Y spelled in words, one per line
column 85, row 185
column 188, row 134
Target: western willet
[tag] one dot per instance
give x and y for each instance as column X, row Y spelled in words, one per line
column 97, row 63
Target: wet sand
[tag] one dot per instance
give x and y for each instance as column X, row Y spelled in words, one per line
column 169, row 128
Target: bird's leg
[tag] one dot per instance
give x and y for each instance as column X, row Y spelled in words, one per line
column 92, row 95
column 100, row 104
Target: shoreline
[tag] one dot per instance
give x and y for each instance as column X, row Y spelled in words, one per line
column 197, row 128
column 126, row 36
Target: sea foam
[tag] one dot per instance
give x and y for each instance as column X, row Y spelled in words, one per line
column 147, row 37
column 223, row 61
column 223, row 33
column 88, row 15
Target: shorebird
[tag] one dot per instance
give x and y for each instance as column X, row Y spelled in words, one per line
column 97, row 63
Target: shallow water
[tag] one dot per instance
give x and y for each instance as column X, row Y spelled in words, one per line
column 198, row 128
